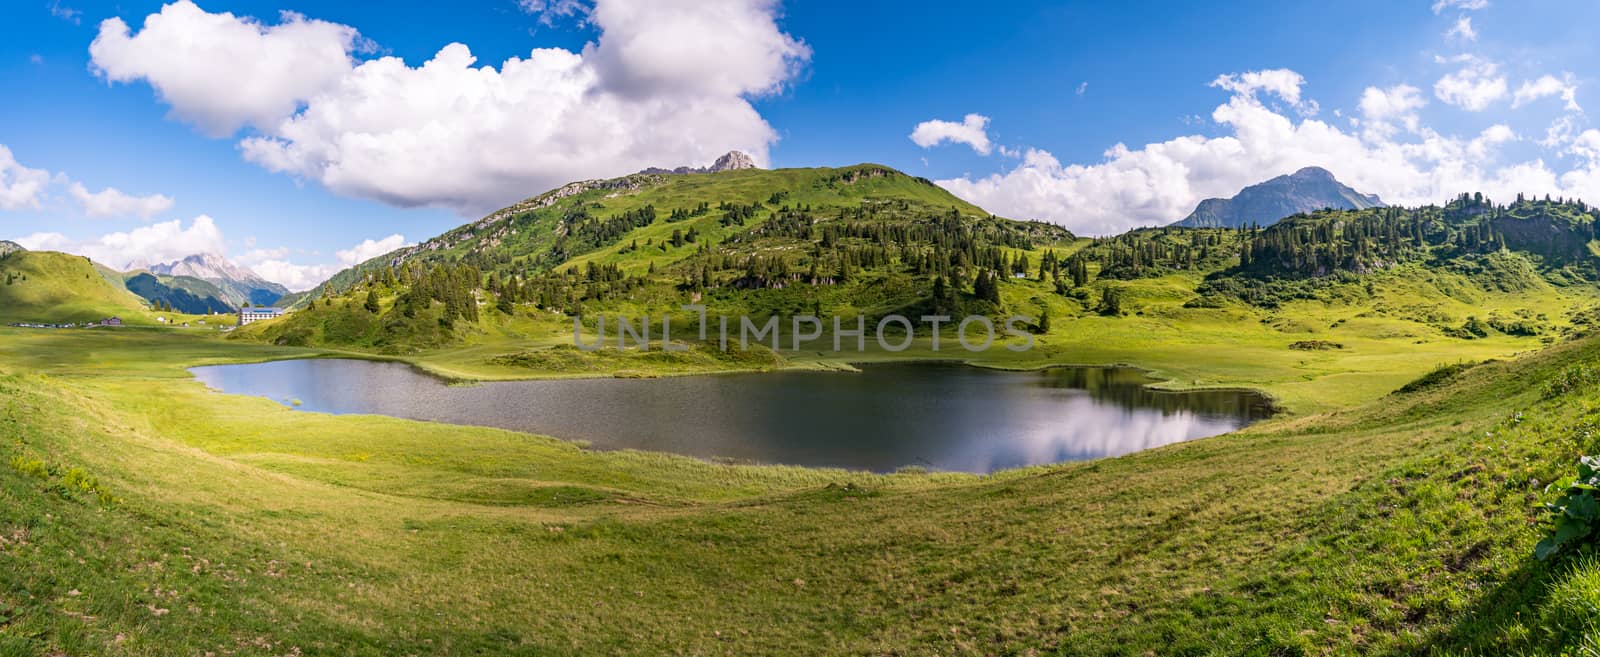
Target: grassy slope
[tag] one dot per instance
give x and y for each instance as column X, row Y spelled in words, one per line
column 57, row 288
column 227, row 524
column 527, row 230
column 184, row 293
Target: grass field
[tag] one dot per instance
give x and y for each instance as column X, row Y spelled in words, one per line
column 144, row 515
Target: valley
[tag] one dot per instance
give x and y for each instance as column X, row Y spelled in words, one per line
column 1427, row 364
column 725, row 328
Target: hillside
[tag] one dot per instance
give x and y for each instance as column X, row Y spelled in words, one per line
column 145, row 513
column 181, row 293
column 7, row 248
column 1406, row 288
column 50, row 287
column 865, row 238
column 1306, row 190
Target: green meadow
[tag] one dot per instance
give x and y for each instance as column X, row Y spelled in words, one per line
column 1434, row 368
column 146, row 515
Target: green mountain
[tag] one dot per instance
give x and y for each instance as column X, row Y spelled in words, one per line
column 182, row 293
column 50, row 287
column 863, row 238
column 874, row 241
column 1308, row 189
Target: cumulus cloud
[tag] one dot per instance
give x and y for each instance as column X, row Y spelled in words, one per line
column 369, row 249
column 220, row 71
column 296, row 277
column 1465, row 5
column 274, row 264
column 1382, row 108
column 972, row 131
column 172, row 240
column 112, row 202
column 1565, row 86
column 666, row 83
column 692, row 48
column 1474, row 86
column 1280, row 82
column 20, row 186
column 1462, row 29
column 1587, row 145
column 159, row 242
column 1161, row 182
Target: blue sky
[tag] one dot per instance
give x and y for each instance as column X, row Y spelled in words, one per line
column 299, row 138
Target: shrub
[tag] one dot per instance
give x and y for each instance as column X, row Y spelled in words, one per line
column 1438, row 376
column 1573, row 379
column 31, row 467
column 1574, row 520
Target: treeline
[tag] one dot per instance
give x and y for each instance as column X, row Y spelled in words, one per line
column 1358, row 241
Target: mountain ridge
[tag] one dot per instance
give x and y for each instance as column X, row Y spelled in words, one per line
column 730, row 161
column 239, row 285
column 546, row 219
column 1266, row 202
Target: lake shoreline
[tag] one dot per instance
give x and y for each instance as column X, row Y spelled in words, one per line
column 942, row 415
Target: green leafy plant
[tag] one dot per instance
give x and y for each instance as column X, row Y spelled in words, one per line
column 1575, row 516
column 1573, row 379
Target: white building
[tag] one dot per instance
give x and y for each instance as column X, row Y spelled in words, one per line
column 248, row 315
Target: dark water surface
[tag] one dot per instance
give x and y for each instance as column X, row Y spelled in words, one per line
column 936, row 415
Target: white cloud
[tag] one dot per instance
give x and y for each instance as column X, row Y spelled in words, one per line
column 972, row 131
column 1280, row 82
column 20, row 186
column 1381, row 108
column 112, row 202
column 369, row 249
column 1482, row 146
column 1565, row 86
column 260, row 255
column 274, row 264
column 64, row 12
column 693, row 48
column 667, row 83
column 549, row 10
column 1463, row 29
column 1161, row 182
column 1587, row 146
column 1082, row 87
column 1474, row 86
column 1465, row 5
column 296, row 277
column 159, row 242
column 171, row 240
column 219, row 71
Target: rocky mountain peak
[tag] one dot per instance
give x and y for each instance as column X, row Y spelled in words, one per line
column 730, row 161
column 733, row 161
column 240, row 284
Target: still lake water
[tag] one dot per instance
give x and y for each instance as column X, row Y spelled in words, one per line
column 935, row 415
